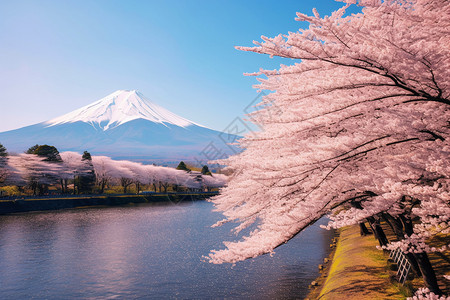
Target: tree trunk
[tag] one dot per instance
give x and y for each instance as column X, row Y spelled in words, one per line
column 397, row 227
column 102, row 187
column 41, row 189
column 363, row 229
column 34, row 187
column 428, row 275
column 378, row 231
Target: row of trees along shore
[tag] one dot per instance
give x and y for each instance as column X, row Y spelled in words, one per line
column 357, row 129
column 43, row 167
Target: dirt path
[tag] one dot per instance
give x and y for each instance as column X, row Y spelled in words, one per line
column 359, row 270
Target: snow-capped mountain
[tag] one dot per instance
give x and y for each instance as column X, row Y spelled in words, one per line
column 121, row 107
column 125, row 125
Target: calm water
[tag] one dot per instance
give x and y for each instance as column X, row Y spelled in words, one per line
column 144, row 252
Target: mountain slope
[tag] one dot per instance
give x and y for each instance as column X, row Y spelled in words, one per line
column 121, row 107
column 124, row 125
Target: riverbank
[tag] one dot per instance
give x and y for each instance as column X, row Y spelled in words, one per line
column 37, row 204
column 316, row 285
column 357, row 271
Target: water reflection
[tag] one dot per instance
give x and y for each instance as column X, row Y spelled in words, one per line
column 144, row 251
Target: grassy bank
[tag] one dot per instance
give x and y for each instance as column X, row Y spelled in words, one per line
column 358, row 271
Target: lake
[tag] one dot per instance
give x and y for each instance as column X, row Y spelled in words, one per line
column 145, row 251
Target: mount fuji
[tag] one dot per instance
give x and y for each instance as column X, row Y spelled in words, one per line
column 125, row 125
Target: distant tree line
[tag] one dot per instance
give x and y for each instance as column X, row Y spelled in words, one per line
column 43, row 170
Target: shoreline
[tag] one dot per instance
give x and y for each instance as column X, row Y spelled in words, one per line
column 20, row 205
column 316, row 286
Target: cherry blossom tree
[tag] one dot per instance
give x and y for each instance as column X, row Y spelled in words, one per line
column 214, row 180
column 362, row 124
column 72, row 162
column 128, row 172
column 34, row 171
column 74, row 167
column 104, row 171
column 131, row 173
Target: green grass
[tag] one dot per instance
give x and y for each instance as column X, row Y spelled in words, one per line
column 359, row 270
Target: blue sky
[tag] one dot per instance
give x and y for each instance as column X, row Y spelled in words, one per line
column 57, row 56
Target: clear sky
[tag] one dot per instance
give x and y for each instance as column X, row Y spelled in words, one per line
column 57, row 56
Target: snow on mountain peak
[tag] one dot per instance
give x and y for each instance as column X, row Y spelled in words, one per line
column 118, row 108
